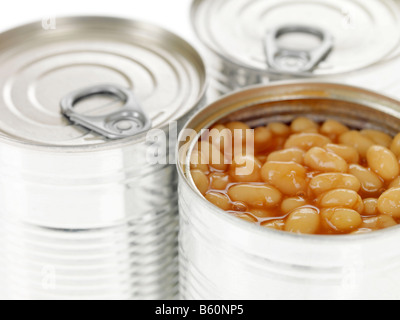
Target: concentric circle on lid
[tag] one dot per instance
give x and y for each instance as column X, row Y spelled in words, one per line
column 40, row 67
column 365, row 32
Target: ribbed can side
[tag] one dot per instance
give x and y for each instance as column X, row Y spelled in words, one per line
column 95, row 234
column 135, row 258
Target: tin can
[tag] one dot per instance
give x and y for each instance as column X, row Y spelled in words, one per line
column 223, row 257
column 84, row 214
column 251, row 42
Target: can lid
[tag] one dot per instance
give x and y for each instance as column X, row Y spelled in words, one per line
column 95, row 67
column 348, row 34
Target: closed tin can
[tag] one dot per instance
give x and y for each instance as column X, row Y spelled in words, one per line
column 223, row 257
column 84, row 214
column 251, row 42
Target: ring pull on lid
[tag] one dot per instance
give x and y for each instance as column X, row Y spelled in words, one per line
column 287, row 60
column 130, row 120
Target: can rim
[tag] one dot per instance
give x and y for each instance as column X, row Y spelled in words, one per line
column 214, row 210
column 114, row 144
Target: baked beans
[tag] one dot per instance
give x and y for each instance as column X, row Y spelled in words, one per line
column 302, row 177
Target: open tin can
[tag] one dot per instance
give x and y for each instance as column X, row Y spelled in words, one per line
column 223, row 257
column 84, row 215
column 252, row 42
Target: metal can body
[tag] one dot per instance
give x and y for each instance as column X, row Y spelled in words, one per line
column 97, row 226
column 223, row 257
column 226, row 77
column 237, row 39
column 83, row 216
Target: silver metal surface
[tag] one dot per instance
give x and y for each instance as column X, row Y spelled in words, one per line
column 126, row 122
column 285, row 60
column 366, row 34
column 40, row 67
column 223, row 257
column 83, row 216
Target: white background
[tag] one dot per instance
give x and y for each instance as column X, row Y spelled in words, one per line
column 171, row 14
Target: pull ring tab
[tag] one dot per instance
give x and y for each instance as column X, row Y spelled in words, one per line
column 292, row 60
column 130, row 120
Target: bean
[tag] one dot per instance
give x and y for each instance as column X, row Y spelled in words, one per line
column 219, row 181
column 370, row 182
column 304, row 125
column 287, row 155
column 290, row 204
column 256, row 195
column 219, row 199
column 200, row 180
column 237, row 125
column 303, row 178
column 389, row 203
column 288, row 177
column 306, row 141
column 245, row 217
column 383, row 162
column 325, row 215
column 241, row 150
column 333, row 129
column 370, row 207
column 199, row 161
column 261, row 213
column 221, row 137
column 324, row 161
column 279, row 129
column 218, row 127
column 343, row 219
column 262, row 138
column 378, row 137
column 361, row 231
column 356, row 140
column 349, row 154
column 370, row 223
column 395, row 183
column 303, row 221
column 385, row 222
column 379, row 223
column 240, row 206
column 395, row 146
column 245, row 169
column 330, row 181
column 276, row 224
column 215, row 157
column 240, row 131
column 342, row 198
